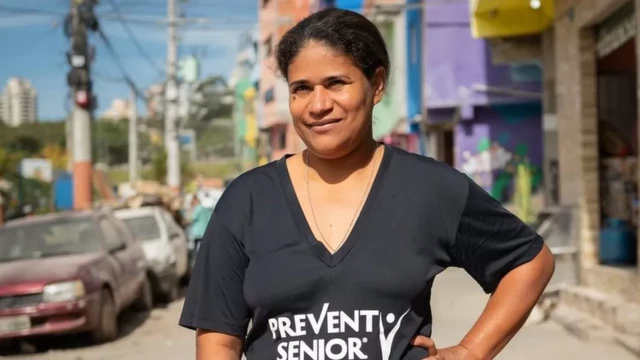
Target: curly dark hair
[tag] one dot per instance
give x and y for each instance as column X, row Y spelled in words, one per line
column 347, row 32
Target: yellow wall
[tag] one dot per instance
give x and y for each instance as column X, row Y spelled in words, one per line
column 508, row 18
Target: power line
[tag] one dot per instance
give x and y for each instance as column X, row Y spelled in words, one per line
column 117, row 60
column 134, row 39
column 22, row 10
column 108, row 78
column 156, row 20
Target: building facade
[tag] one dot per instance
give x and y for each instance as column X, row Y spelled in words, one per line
column 245, row 85
column 18, row 103
column 275, row 18
column 390, row 114
column 484, row 117
column 590, row 56
column 597, row 96
column 397, row 117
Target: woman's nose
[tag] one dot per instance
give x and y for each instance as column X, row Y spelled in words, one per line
column 320, row 103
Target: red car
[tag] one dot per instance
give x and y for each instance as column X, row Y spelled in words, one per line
column 69, row 273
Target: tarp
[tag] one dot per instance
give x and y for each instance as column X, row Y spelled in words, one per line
column 509, row 18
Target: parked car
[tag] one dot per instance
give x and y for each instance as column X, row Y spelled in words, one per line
column 165, row 246
column 69, row 273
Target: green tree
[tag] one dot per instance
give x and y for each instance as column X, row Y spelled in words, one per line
column 26, row 143
column 158, row 168
column 211, row 99
column 30, row 138
column 216, row 139
column 9, row 161
column 111, row 142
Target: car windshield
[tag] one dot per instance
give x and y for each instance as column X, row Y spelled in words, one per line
column 48, row 238
column 144, row 228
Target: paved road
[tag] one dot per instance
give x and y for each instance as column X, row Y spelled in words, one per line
column 153, row 336
column 457, row 302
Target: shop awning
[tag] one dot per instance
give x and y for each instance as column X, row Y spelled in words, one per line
column 508, row 18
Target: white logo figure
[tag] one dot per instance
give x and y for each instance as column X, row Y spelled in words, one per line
column 387, row 341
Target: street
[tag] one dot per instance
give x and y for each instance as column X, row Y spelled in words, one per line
column 457, row 302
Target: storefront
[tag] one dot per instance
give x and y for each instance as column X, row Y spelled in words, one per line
column 596, row 93
column 617, row 137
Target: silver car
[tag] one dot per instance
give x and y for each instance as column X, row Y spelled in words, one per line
column 165, row 247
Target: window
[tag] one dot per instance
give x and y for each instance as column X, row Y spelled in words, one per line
column 144, row 228
column 111, row 238
column 269, row 95
column 123, row 232
column 48, row 239
column 172, row 225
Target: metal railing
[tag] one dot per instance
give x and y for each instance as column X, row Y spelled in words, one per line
column 559, row 227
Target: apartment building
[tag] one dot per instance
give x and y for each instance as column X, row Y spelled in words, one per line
column 275, row 18
column 18, row 102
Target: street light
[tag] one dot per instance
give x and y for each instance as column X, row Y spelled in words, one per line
column 535, row 4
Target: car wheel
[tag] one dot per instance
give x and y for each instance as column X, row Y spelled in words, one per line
column 107, row 329
column 145, row 299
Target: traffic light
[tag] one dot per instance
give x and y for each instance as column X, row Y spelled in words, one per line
column 83, row 99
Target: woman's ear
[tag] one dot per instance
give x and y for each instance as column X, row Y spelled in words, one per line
column 379, row 83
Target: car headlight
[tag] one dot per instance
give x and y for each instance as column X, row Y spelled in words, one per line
column 63, row 291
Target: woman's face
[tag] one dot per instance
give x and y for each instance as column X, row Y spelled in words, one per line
column 331, row 101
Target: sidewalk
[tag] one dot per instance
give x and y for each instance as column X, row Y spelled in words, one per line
column 457, row 301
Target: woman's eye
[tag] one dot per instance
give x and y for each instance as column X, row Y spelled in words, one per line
column 336, row 83
column 299, row 89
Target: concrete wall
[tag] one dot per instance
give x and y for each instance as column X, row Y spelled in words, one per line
column 457, row 64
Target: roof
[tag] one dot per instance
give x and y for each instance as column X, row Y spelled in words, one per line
column 141, row 211
column 65, row 215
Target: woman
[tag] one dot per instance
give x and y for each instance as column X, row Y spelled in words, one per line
column 331, row 253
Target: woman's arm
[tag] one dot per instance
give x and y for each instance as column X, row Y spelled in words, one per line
column 509, row 307
column 217, row 346
column 508, row 259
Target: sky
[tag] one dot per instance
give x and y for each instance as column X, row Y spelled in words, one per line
column 34, row 46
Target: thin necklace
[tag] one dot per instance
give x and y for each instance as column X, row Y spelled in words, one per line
column 355, row 215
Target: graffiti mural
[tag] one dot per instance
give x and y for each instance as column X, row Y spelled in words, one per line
column 501, row 149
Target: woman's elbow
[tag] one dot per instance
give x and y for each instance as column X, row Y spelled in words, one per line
column 545, row 264
column 538, row 272
column 217, row 346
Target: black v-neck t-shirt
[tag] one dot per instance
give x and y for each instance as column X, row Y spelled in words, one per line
column 259, row 262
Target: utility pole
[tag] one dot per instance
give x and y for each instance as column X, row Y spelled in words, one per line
column 81, row 19
column 2, row 215
column 133, row 137
column 172, row 144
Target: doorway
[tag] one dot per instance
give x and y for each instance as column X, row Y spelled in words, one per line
column 617, row 145
column 441, row 143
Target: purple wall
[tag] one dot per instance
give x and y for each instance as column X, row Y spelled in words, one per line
column 455, row 62
column 500, row 137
